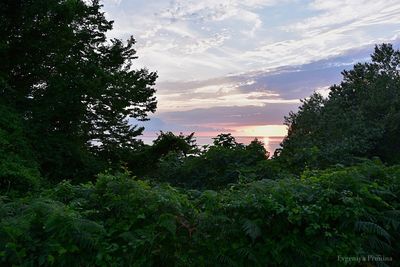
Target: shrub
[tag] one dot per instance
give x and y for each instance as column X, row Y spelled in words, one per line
column 18, row 169
column 123, row 221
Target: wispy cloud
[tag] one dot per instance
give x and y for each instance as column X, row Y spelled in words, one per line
column 232, row 63
column 349, row 15
column 232, row 103
column 215, row 10
column 187, row 39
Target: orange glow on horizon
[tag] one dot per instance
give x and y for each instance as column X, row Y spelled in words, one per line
column 262, row 130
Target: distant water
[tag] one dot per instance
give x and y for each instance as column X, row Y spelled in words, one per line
column 270, row 143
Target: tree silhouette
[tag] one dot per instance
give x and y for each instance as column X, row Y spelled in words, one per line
column 74, row 88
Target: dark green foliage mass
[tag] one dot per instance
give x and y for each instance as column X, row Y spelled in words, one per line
column 73, row 87
column 179, row 161
column 144, row 160
column 360, row 118
column 18, row 169
column 122, row 221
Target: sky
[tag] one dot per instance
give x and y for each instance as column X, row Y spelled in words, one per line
column 241, row 66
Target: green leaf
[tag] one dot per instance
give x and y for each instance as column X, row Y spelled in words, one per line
column 251, row 229
column 168, row 221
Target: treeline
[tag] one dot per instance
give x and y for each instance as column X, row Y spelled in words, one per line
column 79, row 188
column 360, row 118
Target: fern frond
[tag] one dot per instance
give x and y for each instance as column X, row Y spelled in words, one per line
column 377, row 244
column 251, row 229
column 372, row 228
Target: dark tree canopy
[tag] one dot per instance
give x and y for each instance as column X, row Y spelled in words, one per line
column 168, row 142
column 360, row 118
column 18, row 169
column 74, row 88
column 225, row 140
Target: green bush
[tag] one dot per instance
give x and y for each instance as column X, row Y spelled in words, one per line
column 122, row 221
column 18, row 169
column 360, row 118
column 223, row 163
column 43, row 232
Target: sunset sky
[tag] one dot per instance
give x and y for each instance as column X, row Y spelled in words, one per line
column 241, row 66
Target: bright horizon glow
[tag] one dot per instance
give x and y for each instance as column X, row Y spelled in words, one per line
column 262, row 131
column 270, row 143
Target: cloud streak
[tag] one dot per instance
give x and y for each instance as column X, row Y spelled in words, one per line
column 226, row 64
column 190, row 40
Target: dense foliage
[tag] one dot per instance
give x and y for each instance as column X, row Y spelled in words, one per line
column 66, row 95
column 18, row 170
column 122, row 221
column 360, row 118
column 73, row 87
column 212, row 167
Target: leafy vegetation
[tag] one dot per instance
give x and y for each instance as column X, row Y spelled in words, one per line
column 18, row 169
column 66, row 94
column 74, row 88
column 360, row 118
column 122, row 221
column 216, row 166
